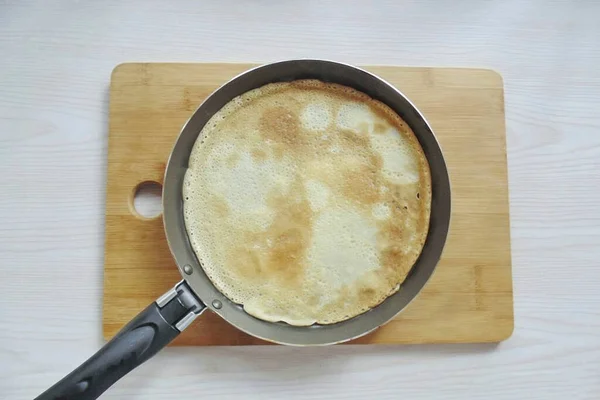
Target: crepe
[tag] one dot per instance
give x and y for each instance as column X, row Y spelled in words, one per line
column 307, row 202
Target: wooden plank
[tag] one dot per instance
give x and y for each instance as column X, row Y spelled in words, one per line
column 469, row 299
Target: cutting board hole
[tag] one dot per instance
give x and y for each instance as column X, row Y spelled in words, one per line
column 147, row 199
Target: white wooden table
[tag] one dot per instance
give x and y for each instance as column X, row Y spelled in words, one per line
column 55, row 64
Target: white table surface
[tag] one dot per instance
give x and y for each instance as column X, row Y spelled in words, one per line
column 55, row 64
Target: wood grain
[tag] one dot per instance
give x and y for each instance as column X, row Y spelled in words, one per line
column 469, row 299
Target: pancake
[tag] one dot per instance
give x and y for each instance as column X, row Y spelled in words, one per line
column 307, row 202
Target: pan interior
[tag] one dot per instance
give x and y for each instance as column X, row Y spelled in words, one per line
column 316, row 334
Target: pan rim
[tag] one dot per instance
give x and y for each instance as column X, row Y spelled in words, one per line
column 278, row 332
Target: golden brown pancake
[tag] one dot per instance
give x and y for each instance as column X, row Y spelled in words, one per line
column 307, row 202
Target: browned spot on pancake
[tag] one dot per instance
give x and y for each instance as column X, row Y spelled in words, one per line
column 232, row 160
column 397, row 256
column 278, row 151
column 361, row 185
column 248, row 262
column 379, row 127
column 362, row 175
column 313, row 300
column 259, row 155
column 280, row 125
column 218, row 205
column 377, row 162
column 279, row 251
column 393, row 260
column 363, row 128
column 366, row 293
column 354, row 142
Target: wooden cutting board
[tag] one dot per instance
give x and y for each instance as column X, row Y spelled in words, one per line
column 469, row 298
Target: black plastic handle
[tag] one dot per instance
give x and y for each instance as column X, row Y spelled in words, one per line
column 138, row 341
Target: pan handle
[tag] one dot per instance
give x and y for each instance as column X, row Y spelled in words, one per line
column 144, row 336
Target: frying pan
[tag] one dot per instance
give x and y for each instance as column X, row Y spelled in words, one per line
column 164, row 319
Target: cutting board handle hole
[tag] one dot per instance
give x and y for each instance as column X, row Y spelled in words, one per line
column 146, row 201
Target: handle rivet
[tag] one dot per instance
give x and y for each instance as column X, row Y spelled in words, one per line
column 188, row 269
column 217, row 304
